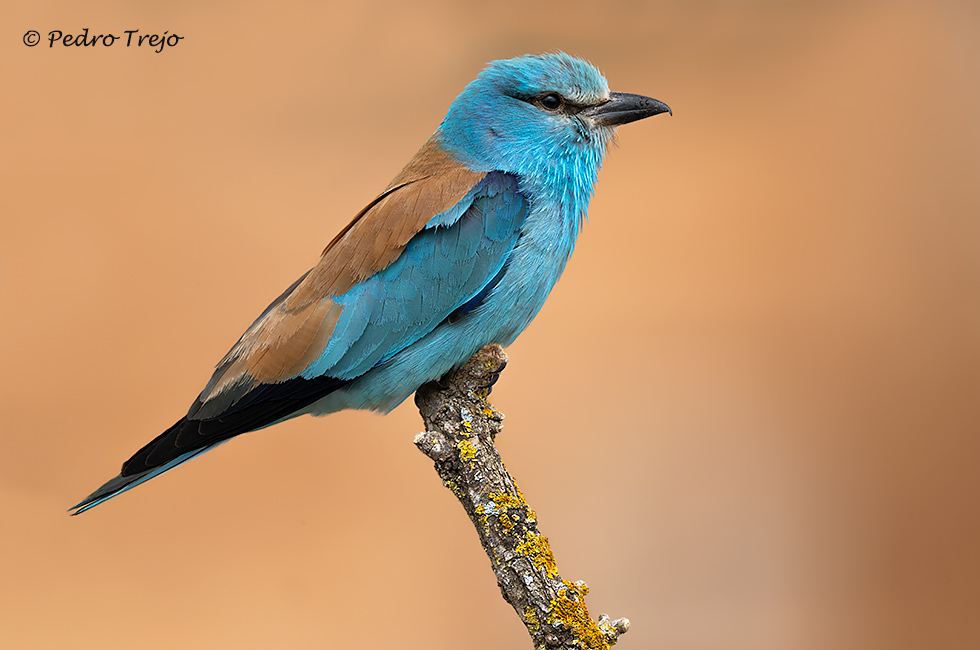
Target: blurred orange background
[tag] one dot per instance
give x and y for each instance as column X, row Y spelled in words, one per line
column 748, row 417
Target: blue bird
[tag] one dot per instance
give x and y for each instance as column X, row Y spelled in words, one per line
column 460, row 250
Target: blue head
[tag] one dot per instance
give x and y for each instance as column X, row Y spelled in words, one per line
column 546, row 118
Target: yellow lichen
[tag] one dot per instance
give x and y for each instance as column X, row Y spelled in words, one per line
column 467, row 451
column 569, row 609
column 521, row 501
column 454, row 487
column 481, row 513
column 531, row 620
column 505, row 501
column 536, row 548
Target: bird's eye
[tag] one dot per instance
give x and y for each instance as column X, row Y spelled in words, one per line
column 551, row 102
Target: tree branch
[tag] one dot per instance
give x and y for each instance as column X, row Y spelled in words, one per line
column 460, row 426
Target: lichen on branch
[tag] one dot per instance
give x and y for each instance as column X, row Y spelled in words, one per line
column 460, row 427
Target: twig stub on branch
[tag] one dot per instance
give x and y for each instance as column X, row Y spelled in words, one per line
column 460, row 426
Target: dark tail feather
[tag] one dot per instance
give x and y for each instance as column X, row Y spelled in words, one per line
column 121, row 483
column 263, row 405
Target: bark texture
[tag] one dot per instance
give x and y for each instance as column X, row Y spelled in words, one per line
column 460, row 426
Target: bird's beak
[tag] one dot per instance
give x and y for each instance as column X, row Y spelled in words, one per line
column 623, row 108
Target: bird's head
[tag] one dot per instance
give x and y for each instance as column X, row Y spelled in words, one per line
column 537, row 114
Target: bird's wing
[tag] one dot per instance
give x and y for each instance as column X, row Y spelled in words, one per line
column 295, row 329
column 427, row 250
column 437, row 236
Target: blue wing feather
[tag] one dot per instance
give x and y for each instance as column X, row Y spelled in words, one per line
column 444, row 267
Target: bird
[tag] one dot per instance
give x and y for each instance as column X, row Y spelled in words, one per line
column 460, row 250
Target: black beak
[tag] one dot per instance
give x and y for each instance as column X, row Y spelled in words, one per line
column 623, row 108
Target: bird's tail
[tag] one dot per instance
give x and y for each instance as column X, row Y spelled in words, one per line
column 121, row 483
column 190, row 436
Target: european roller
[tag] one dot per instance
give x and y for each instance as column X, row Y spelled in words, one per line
column 460, row 250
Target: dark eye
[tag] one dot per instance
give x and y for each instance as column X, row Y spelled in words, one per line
column 551, row 102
